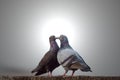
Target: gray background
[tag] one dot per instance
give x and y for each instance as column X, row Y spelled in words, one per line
column 97, row 25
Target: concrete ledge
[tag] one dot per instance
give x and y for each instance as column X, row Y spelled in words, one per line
column 58, row 78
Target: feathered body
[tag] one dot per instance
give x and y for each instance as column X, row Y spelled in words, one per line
column 69, row 58
column 49, row 62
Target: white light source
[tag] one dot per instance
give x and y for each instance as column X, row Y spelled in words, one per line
column 57, row 26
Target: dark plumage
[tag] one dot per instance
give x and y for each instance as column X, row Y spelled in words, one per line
column 69, row 58
column 49, row 62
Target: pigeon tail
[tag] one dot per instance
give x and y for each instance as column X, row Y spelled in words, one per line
column 41, row 71
column 33, row 71
column 37, row 74
column 90, row 70
column 86, row 69
column 36, row 69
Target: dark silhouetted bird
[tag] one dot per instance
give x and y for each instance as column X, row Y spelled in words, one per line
column 69, row 58
column 49, row 62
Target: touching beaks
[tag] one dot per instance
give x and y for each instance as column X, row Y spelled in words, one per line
column 57, row 37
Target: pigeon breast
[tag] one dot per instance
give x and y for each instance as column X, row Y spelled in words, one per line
column 64, row 56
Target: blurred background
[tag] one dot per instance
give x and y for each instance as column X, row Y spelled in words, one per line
column 92, row 27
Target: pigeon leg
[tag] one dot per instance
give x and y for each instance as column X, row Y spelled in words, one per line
column 65, row 73
column 49, row 74
column 73, row 72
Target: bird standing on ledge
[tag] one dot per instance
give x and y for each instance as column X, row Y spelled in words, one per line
column 49, row 62
column 69, row 58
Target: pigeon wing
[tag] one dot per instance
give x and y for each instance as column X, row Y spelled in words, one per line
column 83, row 64
column 44, row 61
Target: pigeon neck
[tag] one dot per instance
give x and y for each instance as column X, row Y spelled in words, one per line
column 65, row 45
column 53, row 45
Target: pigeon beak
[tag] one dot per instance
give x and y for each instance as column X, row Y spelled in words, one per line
column 57, row 38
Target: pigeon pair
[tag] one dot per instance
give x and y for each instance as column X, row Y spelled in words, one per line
column 65, row 56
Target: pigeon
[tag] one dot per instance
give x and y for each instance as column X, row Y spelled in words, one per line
column 69, row 58
column 49, row 62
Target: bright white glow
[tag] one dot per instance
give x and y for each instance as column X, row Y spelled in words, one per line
column 57, row 26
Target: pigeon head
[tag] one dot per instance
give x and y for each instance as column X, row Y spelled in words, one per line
column 52, row 38
column 63, row 38
column 64, row 41
column 53, row 44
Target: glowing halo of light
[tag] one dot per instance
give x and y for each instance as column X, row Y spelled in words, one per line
column 57, row 26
